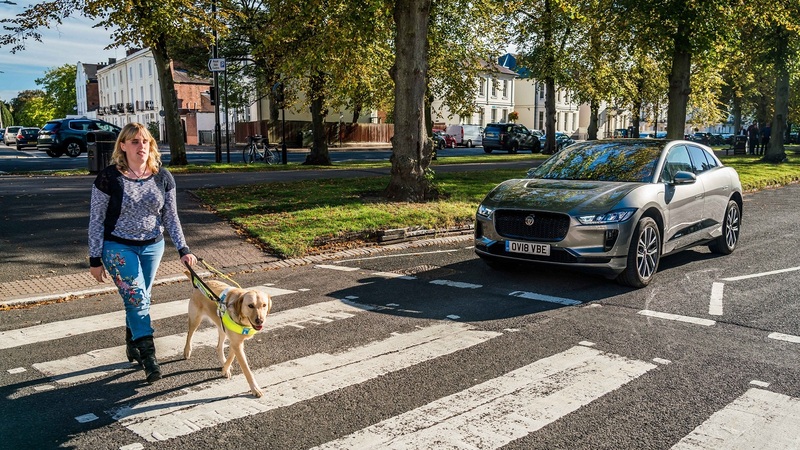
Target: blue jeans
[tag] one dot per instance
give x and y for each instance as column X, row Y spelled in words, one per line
column 133, row 270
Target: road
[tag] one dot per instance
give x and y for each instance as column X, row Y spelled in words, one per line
column 426, row 347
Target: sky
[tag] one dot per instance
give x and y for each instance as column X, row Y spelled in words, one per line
column 74, row 40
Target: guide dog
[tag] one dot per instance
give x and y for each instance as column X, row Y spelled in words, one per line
column 245, row 313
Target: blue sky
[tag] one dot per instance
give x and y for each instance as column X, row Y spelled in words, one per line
column 74, row 40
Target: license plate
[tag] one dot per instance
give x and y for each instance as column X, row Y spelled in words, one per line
column 529, row 248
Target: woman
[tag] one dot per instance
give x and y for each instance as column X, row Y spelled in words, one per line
column 133, row 202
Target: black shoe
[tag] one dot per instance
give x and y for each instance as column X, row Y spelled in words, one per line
column 130, row 350
column 148, row 351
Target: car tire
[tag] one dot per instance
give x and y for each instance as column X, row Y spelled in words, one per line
column 514, row 148
column 53, row 153
column 644, row 254
column 726, row 243
column 19, row 147
column 487, row 150
column 469, row 144
column 74, row 149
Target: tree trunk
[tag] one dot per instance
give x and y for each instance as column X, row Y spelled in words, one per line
column 319, row 155
column 679, row 88
column 636, row 108
column 411, row 148
column 594, row 107
column 550, row 116
column 775, row 152
column 737, row 114
column 169, row 101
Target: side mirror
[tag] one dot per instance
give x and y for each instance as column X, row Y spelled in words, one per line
column 683, row 177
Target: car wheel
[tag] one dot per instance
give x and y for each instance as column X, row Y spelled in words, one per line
column 53, row 153
column 643, row 255
column 514, row 148
column 19, row 147
column 726, row 244
column 469, row 144
column 487, row 150
column 74, row 149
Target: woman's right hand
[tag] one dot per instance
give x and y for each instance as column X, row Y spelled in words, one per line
column 99, row 273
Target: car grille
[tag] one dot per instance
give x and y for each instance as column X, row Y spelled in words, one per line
column 546, row 226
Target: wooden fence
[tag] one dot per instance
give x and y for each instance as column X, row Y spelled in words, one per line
column 298, row 133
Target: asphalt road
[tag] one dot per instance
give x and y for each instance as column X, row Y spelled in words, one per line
column 424, row 347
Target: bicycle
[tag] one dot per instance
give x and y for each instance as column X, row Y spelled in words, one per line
column 259, row 149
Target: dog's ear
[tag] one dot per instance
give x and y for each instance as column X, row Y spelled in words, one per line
column 236, row 303
column 269, row 302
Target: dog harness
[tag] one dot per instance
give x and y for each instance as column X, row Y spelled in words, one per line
column 222, row 309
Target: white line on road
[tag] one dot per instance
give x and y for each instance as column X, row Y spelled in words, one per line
column 100, row 362
column 545, row 298
column 675, row 317
column 762, row 274
column 457, row 284
column 784, row 337
column 758, row 419
column 340, row 268
column 295, row 381
column 506, row 408
column 715, row 305
column 66, row 328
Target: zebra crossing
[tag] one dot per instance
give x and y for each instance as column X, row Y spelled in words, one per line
column 487, row 415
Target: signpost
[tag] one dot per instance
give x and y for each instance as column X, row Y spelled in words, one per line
column 216, row 65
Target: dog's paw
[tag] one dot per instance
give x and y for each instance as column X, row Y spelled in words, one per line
column 256, row 392
column 226, row 373
column 187, row 354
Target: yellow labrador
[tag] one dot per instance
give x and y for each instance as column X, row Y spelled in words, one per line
column 246, row 312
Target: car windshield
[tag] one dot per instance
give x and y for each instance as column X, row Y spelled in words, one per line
column 630, row 161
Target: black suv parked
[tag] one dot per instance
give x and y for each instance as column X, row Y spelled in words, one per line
column 509, row 136
column 69, row 135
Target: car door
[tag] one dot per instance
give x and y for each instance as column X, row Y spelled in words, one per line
column 684, row 203
column 717, row 186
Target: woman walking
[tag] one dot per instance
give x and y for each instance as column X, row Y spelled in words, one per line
column 133, row 202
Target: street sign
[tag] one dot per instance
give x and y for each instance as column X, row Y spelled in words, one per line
column 216, row 64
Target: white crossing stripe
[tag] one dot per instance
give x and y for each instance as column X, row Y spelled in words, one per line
column 545, row 298
column 457, row 284
column 715, row 304
column 66, row 328
column 340, row 268
column 100, row 362
column 498, row 411
column 784, row 337
column 758, row 419
column 677, row 318
column 295, row 381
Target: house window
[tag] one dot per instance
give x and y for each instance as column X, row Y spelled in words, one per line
column 494, row 89
column 150, row 68
column 130, row 74
column 482, row 91
column 494, row 115
column 481, row 118
column 541, row 90
column 505, row 88
column 505, row 115
column 541, row 120
column 141, row 71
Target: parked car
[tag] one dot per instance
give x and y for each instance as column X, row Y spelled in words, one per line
column 61, row 136
column 613, row 207
column 466, row 135
column 10, row 134
column 442, row 140
column 562, row 140
column 26, row 137
column 511, row 137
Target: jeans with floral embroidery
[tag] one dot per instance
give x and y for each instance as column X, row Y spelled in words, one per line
column 133, row 270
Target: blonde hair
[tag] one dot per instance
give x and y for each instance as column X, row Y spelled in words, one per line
column 128, row 132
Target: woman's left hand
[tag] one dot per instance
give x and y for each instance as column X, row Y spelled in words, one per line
column 189, row 259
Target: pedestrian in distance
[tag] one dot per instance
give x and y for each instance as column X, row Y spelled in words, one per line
column 752, row 138
column 765, row 132
column 132, row 204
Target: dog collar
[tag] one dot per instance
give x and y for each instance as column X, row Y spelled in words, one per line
column 235, row 327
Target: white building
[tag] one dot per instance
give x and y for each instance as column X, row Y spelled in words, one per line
column 494, row 101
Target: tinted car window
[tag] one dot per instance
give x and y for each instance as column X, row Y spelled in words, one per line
column 51, row 126
column 677, row 160
column 701, row 159
column 614, row 161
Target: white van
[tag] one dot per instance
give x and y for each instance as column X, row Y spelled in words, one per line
column 466, row 135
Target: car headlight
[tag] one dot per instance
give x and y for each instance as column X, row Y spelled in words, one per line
column 485, row 211
column 617, row 216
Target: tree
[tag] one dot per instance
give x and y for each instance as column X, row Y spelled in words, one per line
column 59, row 85
column 31, row 108
column 412, row 149
column 135, row 24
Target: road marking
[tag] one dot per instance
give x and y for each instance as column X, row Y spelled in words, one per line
column 340, row 268
column 715, row 305
column 784, row 337
column 675, row 317
column 456, row 284
column 762, row 274
column 295, row 381
column 400, row 255
column 394, row 275
column 545, row 298
column 100, row 362
column 66, row 328
column 758, row 419
column 501, row 410
column 758, row 383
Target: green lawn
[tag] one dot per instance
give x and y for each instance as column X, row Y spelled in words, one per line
column 306, row 217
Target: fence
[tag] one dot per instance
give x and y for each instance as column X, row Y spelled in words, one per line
column 298, row 132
